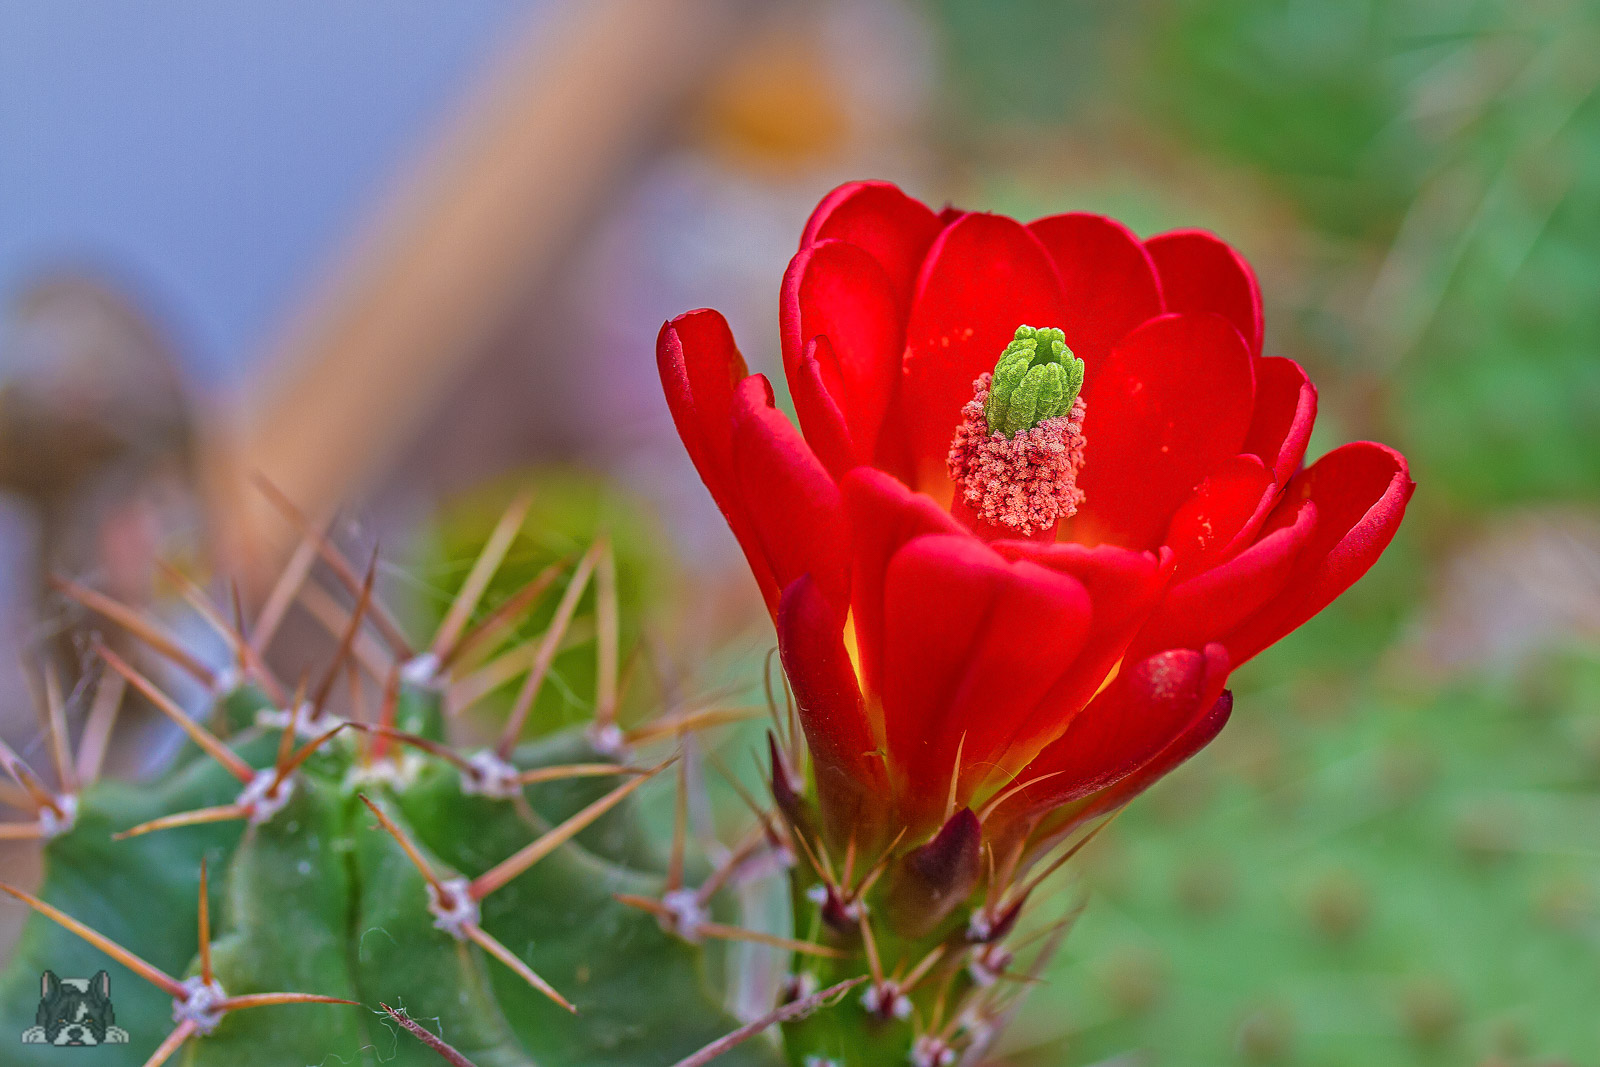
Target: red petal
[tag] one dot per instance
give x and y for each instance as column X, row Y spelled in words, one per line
column 972, row 644
column 834, row 289
column 794, row 505
column 1200, row 272
column 887, row 224
column 700, row 368
column 1149, row 706
column 1229, row 505
column 1124, row 586
column 1360, row 492
column 1172, row 402
column 1286, row 408
column 814, row 384
column 884, row 515
column 1197, row 735
column 1210, row 604
column 845, row 755
column 1108, row 282
column 984, row 276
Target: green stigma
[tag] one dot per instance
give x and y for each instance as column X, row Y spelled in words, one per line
column 1036, row 378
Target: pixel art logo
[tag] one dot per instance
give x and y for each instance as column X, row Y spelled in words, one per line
column 75, row 1013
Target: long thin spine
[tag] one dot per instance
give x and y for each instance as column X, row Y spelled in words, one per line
column 482, row 572
column 500, row 619
column 174, row 1041
column 608, row 638
column 284, row 592
column 244, row 657
column 97, row 728
column 197, row 733
column 148, row 971
column 56, row 720
column 144, row 628
column 206, row 974
column 514, row 865
column 340, row 566
column 346, row 639
column 547, row 654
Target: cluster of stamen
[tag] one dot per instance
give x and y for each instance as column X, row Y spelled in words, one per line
column 1028, row 481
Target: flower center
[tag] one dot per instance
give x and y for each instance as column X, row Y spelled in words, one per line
column 1019, row 446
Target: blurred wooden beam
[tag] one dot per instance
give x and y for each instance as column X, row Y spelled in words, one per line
column 486, row 212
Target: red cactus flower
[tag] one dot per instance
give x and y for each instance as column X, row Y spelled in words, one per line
column 1002, row 577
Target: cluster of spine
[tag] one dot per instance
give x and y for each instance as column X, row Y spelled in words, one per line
column 362, row 749
column 900, row 951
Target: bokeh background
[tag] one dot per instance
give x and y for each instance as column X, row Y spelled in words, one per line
column 394, row 255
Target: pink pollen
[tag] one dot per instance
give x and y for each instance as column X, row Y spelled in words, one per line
column 1028, row 481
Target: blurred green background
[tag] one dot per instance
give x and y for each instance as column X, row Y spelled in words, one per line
column 1392, row 855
